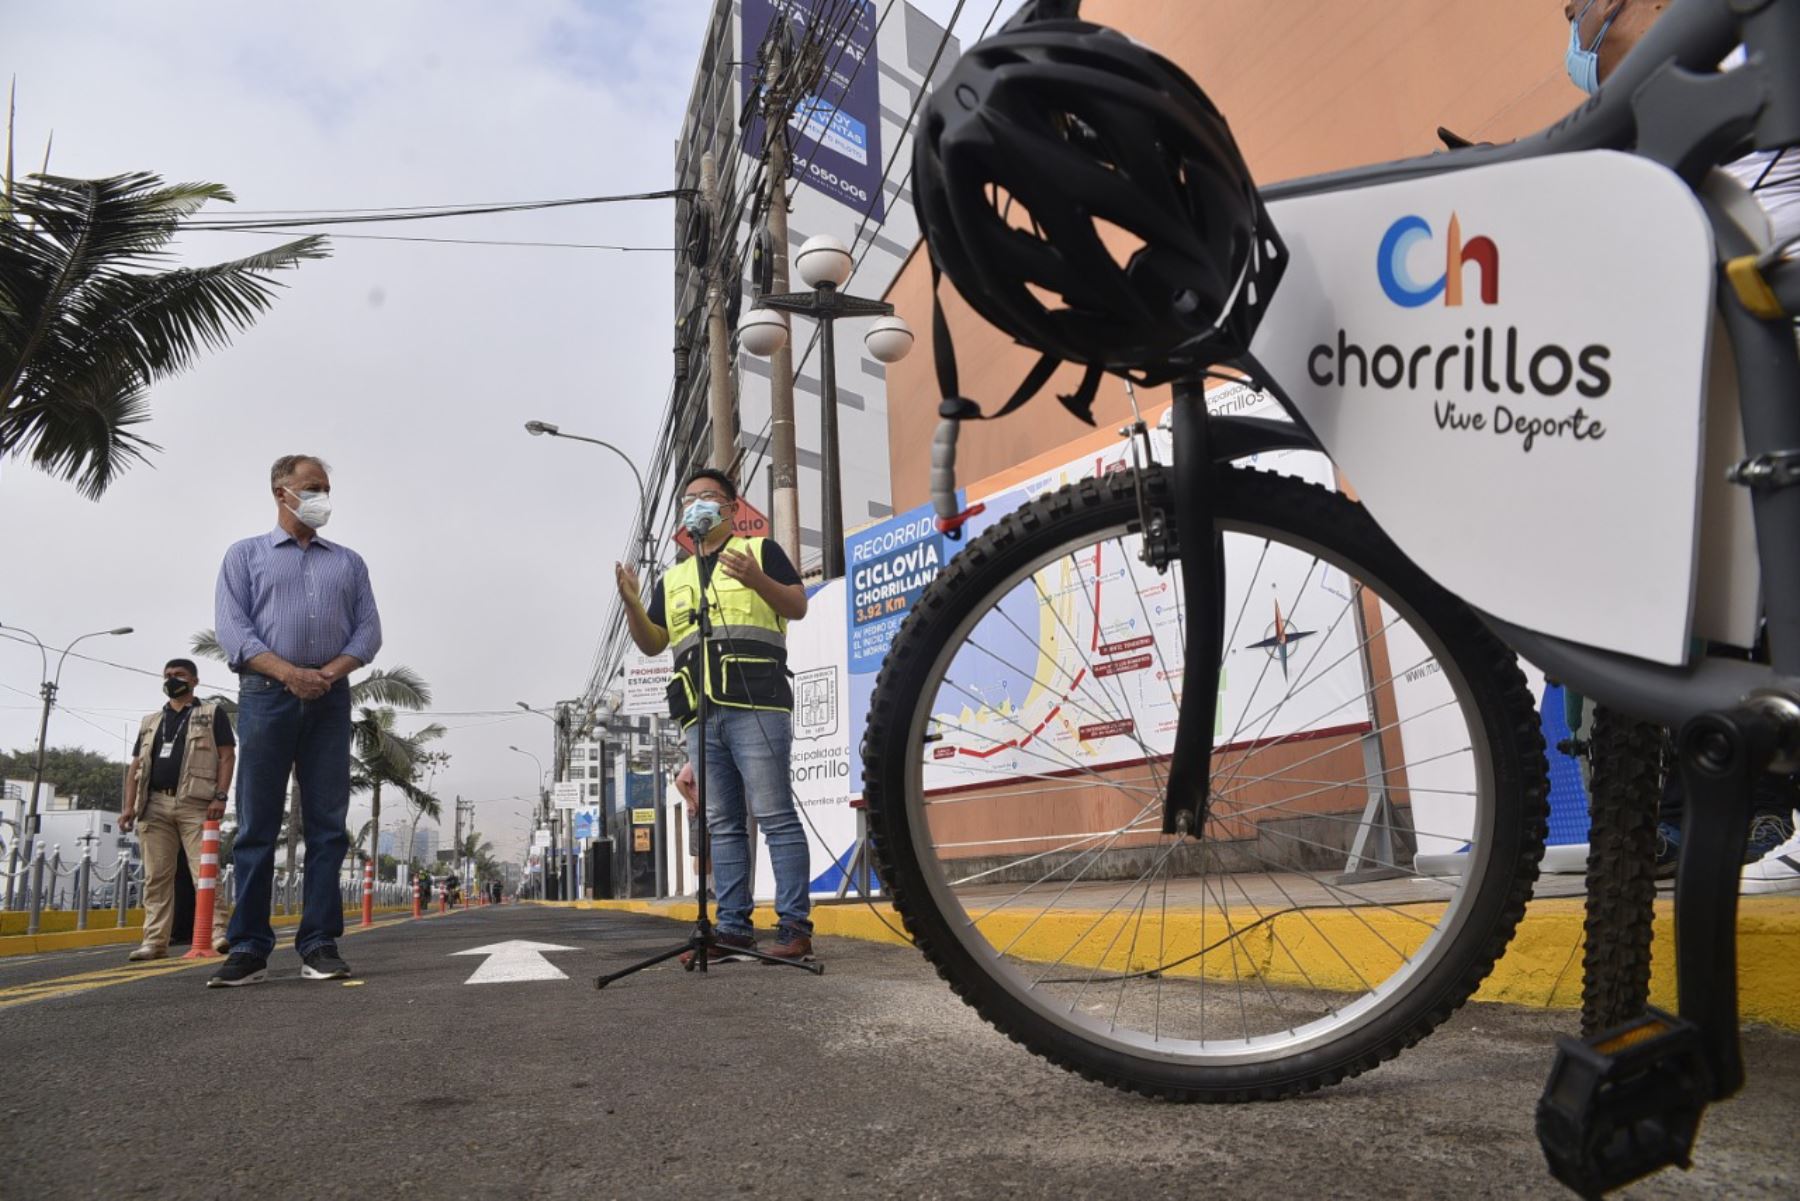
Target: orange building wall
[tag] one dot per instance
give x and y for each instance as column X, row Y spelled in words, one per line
column 1308, row 86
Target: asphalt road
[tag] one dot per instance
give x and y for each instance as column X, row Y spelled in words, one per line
column 750, row 1081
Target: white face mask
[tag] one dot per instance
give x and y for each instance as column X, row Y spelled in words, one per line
column 314, row 509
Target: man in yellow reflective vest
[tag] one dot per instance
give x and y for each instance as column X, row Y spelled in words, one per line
column 751, row 591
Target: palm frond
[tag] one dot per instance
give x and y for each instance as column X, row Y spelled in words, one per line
column 6, row 181
column 205, row 643
column 86, row 436
column 424, row 802
column 401, row 687
column 160, row 323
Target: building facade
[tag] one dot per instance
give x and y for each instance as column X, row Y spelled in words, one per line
column 850, row 180
column 1307, row 88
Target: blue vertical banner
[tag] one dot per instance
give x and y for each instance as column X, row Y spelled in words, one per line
column 835, row 133
column 889, row 566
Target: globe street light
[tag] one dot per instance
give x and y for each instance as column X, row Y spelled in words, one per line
column 48, row 692
column 825, row 265
column 646, row 557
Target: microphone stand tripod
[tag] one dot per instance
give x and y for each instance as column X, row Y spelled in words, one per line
column 702, row 938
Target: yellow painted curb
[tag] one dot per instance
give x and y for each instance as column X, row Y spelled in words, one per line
column 61, row 921
column 65, row 940
column 1327, row 949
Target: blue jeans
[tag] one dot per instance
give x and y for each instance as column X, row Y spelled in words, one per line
column 747, row 757
column 276, row 732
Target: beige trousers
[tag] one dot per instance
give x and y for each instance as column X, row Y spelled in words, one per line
column 165, row 828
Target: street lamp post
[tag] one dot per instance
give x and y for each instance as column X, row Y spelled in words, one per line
column 50, row 685
column 560, row 721
column 543, row 796
column 646, row 554
column 825, row 264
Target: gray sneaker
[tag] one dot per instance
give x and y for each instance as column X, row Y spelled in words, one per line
column 240, row 969
column 322, row 963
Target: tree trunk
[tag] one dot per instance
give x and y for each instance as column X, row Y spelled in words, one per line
column 294, row 824
column 375, row 827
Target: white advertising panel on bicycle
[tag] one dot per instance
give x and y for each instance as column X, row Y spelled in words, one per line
column 1507, row 363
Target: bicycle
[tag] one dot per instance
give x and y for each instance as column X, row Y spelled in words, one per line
column 1138, row 880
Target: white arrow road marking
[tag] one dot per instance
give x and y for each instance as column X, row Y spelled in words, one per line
column 510, row 962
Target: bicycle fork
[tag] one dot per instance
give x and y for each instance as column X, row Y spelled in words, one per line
column 1199, row 547
column 1628, row 1101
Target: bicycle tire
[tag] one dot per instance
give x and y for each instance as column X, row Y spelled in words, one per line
column 1513, row 833
column 1623, row 797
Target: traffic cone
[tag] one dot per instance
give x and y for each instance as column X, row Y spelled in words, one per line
column 206, row 890
column 369, row 893
column 418, row 909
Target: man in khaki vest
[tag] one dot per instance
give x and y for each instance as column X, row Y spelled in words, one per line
column 178, row 780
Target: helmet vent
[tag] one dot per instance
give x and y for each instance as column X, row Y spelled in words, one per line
column 1119, row 242
column 1011, row 210
column 1050, row 300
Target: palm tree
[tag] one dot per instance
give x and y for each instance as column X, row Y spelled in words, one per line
column 85, row 329
column 424, row 804
column 477, row 850
column 383, row 757
column 83, row 335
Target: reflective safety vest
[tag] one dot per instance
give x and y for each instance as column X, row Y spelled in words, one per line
column 746, row 654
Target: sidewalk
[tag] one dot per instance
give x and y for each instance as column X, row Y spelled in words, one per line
column 1541, row 967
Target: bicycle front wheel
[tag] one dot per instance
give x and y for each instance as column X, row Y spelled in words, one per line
column 1377, row 801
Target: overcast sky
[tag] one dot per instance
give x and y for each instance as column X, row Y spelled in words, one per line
column 409, row 367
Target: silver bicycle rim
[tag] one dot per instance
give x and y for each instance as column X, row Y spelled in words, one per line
column 1205, row 1020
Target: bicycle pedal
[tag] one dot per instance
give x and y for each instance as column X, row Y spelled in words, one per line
column 1623, row 1103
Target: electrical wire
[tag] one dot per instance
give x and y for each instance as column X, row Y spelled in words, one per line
column 460, row 241
column 868, row 210
column 225, row 221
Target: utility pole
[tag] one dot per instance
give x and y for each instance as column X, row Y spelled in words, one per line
column 783, row 465
column 718, row 345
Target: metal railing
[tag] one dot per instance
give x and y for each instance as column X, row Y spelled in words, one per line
column 47, row 883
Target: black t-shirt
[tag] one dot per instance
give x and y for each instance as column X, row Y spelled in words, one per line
column 171, row 730
column 775, row 565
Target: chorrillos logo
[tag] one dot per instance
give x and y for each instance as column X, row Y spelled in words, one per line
column 1401, row 288
column 1525, row 375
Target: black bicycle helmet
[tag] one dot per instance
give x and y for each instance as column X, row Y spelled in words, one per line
column 1050, row 131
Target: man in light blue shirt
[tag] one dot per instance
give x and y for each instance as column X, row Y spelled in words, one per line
column 295, row 615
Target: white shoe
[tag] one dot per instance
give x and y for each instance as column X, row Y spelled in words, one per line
column 147, row 952
column 222, row 945
column 1777, row 871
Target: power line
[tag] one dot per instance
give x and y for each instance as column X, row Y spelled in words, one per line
column 455, row 241
column 431, row 214
column 142, row 671
column 911, row 117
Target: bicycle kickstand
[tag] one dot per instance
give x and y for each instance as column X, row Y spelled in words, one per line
column 1628, row 1101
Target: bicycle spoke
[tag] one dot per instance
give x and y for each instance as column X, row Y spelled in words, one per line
column 1041, row 834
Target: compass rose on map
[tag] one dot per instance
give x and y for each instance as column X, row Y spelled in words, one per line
column 1281, row 636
